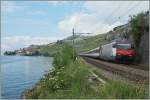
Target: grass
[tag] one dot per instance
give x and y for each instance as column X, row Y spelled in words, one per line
column 121, row 90
column 69, row 80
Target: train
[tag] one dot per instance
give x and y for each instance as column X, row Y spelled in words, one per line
column 116, row 51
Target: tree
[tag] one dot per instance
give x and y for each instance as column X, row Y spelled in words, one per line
column 138, row 25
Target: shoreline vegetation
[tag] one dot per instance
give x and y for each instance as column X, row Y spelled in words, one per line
column 32, row 50
column 71, row 79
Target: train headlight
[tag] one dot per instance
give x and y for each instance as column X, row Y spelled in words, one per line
column 130, row 55
column 118, row 54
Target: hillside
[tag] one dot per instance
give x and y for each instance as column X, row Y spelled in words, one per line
column 136, row 31
column 81, row 44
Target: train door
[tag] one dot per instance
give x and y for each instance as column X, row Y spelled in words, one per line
column 105, row 52
column 108, row 52
column 100, row 51
column 113, row 51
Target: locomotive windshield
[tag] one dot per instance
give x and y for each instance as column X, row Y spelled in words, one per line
column 122, row 46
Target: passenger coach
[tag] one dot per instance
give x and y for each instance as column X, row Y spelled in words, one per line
column 118, row 50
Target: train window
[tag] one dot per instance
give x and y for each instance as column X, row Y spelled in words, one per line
column 100, row 49
column 97, row 50
column 132, row 46
column 123, row 46
column 114, row 45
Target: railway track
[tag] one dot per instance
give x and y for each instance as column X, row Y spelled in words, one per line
column 130, row 72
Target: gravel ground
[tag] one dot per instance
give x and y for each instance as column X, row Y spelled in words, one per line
column 128, row 73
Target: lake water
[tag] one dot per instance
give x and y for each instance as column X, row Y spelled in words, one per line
column 21, row 72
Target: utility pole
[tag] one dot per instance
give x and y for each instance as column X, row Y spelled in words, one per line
column 73, row 44
column 73, row 33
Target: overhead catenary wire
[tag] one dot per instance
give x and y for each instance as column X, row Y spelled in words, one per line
column 116, row 10
column 122, row 15
column 127, row 12
column 118, row 18
column 112, row 13
column 130, row 9
column 77, row 21
column 78, row 17
column 107, row 18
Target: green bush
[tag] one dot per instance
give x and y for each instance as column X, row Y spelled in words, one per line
column 58, row 79
column 138, row 27
column 46, row 54
column 9, row 53
column 63, row 56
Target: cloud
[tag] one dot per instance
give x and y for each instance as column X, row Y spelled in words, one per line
column 115, row 9
column 84, row 22
column 67, row 24
column 101, row 16
column 13, row 42
column 8, row 6
column 57, row 2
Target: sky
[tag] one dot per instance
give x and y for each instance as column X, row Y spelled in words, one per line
column 40, row 22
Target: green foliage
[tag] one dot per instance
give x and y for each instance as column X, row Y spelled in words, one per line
column 46, row 54
column 66, row 80
column 138, row 27
column 58, row 79
column 9, row 53
column 121, row 90
column 63, row 56
column 50, row 49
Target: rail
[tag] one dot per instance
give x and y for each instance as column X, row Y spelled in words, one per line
column 126, row 71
